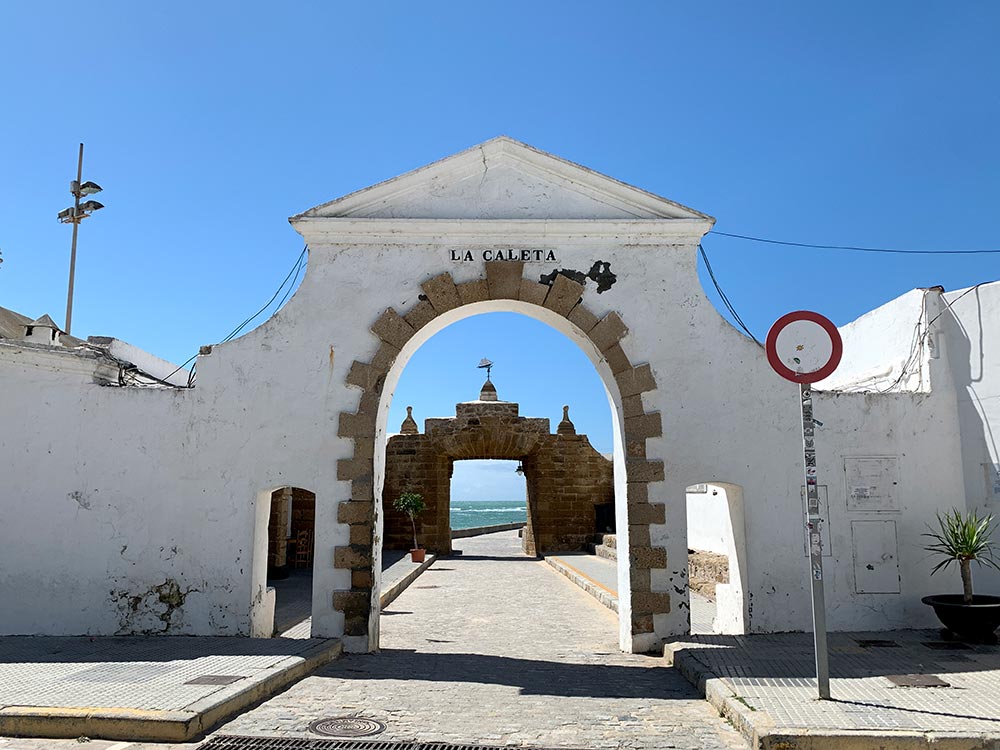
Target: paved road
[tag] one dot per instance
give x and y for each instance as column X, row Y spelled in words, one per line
column 496, row 648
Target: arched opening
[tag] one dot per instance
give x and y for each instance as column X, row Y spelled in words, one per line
column 717, row 565
column 486, row 494
column 283, row 559
column 644, row 582
column 552, row 516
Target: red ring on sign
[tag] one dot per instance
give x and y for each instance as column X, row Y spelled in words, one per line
column 804, row 377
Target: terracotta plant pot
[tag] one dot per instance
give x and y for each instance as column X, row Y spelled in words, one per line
column 417, row 555
column 974, row 622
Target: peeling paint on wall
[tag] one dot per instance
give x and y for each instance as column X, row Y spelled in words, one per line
column 600, row 273
column 138, row 613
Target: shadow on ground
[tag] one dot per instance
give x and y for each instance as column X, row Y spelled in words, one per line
column 790, row 656
column 531, row 677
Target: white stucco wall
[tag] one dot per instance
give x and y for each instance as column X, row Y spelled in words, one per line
column 708, row 525
column 154, row 487
column 970, row 329
column 881, row 344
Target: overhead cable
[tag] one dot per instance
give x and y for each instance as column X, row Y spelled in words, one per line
column 296, row 269
column 857, row 248
column 722, row 295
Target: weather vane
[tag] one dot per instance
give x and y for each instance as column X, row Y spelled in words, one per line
column 485, row 364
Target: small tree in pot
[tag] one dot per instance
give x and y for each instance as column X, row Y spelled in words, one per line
column 964, row 538
column 412, row 504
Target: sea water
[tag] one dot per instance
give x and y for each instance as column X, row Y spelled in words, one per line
column 468, row 514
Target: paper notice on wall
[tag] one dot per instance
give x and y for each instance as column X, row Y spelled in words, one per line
column 993, row 481
column 872, row 483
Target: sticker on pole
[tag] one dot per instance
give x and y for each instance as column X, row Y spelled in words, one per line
column 804, row 347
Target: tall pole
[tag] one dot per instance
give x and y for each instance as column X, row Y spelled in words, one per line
column 72, row 252
column 813, row 523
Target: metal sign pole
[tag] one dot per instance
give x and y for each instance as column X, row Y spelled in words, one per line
column 813, row 522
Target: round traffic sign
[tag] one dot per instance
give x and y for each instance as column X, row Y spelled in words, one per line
column 803, row 347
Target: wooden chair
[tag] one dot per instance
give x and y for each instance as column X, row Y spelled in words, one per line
column 303, row 549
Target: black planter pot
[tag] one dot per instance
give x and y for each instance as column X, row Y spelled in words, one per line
column 974, row 622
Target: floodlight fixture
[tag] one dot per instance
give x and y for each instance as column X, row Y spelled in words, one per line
column 74, row 215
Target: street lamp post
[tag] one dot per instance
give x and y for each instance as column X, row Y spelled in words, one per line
column 74, row 215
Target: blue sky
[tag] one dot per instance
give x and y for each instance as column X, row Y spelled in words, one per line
column 209, row 124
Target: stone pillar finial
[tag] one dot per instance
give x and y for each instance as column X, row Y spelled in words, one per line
column 566, row 427
column 488, row 392
column 409, row 426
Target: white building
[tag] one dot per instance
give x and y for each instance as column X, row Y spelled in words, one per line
column 144, row 509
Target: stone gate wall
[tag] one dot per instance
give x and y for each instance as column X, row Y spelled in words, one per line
column 565, row 477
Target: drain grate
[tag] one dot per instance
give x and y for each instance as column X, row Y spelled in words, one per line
column 297, row 743
column 234, row 742
column 347, row 726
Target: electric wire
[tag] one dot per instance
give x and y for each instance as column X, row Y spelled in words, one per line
column 296, row 269
column 722, row 295
column 247, row 322
column 917, row 345
column 858, row 248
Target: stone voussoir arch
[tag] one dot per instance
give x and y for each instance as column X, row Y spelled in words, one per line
column 503, row 281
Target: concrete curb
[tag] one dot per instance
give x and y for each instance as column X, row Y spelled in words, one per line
column 386, row 597
column 585, row 582
column 758, row 729
column 142, row 725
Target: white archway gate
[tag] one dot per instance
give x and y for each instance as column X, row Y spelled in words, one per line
column 503, row 227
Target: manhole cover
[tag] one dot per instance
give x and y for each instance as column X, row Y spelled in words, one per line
column 916, row 680
column 346, row 726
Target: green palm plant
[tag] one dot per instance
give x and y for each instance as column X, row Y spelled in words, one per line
column 412, row 504
column 963, row 538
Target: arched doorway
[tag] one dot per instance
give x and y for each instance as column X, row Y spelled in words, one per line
column 558, row 304
column 717, row 558
column 282, row 562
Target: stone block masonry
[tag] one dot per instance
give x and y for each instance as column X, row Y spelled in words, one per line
column 564, row 476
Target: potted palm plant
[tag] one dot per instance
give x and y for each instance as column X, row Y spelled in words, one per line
column 965, row 538
column 412, row 504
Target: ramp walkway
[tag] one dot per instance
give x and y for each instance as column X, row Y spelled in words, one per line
column 598, row 576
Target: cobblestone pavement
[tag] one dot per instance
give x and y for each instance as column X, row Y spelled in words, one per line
column 774, row 678
column 493, row 647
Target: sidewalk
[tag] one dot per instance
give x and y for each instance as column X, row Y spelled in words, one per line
column 163, row 688
column 159, row 688
column 765, row 685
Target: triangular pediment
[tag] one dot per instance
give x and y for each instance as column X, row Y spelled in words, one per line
column 502, row 179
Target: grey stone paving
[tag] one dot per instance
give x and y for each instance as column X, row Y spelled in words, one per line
column 774, row 676
column 493, row 647
column 134, row 672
